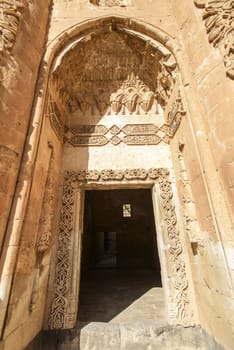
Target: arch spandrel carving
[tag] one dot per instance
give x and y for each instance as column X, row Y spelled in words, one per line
column 63, row 309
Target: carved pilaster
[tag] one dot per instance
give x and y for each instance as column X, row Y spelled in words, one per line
column 188, row 205
column 45, row 227
column 47, row 212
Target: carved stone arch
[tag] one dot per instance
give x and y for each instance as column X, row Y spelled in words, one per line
column 65, row 41
column 153, row 38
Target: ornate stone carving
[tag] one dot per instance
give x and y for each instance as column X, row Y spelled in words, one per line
column 183, row 313
column 63, row 266
column 174, row 115
column 47, row 211
column 88, row 140
column 44, row 228
column 111, row 3
column 165, row 80
column 130, row 134
column 55, row 117
column 59, row 308
column 218, row 17
column 114, row 73
column 188, row 206
column 9, row 22
column 141, row 140
column 89, row 129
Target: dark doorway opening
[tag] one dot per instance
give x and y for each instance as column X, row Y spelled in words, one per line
column 120, row 262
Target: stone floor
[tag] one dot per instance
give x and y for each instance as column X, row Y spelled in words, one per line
column 123, row 310
column 118, row 295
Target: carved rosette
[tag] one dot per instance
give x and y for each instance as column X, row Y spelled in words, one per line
column 9, row 22
column 59, row 313
column 219, row 22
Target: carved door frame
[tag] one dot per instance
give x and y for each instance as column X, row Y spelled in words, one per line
column 65, row 286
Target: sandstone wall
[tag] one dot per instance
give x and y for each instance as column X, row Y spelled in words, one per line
column 201, row 152
column 23, row 34
column 206, row 167
column 18, row 68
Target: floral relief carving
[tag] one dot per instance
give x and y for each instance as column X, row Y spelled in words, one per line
column 60, row 316
column 181, row 307
column 59, row 305
column 9, row 21
column 218, row 16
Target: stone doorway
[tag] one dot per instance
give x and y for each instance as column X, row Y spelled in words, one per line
column 121, row 274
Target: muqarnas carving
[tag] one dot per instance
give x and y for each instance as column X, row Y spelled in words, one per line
column 114, row 73
column 9, row 23
column 219, row 21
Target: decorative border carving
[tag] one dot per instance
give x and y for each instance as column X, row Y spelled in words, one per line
column 9, row 23
column 83, row 135
column 60, row 317
column 111, row 3
column 54, row 115
column 218, row 18
column 132, row 134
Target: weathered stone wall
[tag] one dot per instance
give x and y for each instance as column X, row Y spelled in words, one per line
column 20, row 56
column 204, row 162
column 23, row 31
